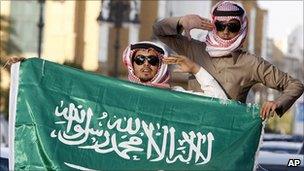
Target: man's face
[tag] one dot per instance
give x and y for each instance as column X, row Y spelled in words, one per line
column 227, row 30
column 143, row 69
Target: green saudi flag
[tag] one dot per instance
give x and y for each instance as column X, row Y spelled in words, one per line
column 63, row 118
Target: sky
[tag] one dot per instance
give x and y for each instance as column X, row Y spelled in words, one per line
column 283, row 17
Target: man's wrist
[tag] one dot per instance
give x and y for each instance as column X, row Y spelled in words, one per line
column 195, row 69
column 279, row 108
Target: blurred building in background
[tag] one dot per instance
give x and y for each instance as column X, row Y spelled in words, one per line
column 295, row 43
column 84, row 34
column 69, row 32
column 295, row 65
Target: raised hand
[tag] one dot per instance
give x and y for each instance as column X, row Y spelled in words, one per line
column 183, row 63
column 193, row 21
column 268, row 109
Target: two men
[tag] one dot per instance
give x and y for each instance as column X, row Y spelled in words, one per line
column 223, row 57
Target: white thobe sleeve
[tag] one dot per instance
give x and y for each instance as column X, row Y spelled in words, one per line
column 209, row 85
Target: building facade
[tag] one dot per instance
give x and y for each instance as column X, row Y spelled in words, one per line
column 69, row 32
column 295, row 43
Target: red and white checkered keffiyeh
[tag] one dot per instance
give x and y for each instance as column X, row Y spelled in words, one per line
column 218, row 47
column 160, row 79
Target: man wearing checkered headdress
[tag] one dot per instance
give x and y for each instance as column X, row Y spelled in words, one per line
column 222, row 55
column 147, row 64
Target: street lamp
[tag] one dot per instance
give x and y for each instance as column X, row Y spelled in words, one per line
column 40, row 26
column 118, row 14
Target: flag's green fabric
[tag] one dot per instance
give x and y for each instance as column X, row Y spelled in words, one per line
column 63, row 119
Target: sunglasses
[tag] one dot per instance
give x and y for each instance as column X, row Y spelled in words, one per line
column 233, row 27
column 152, row 60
